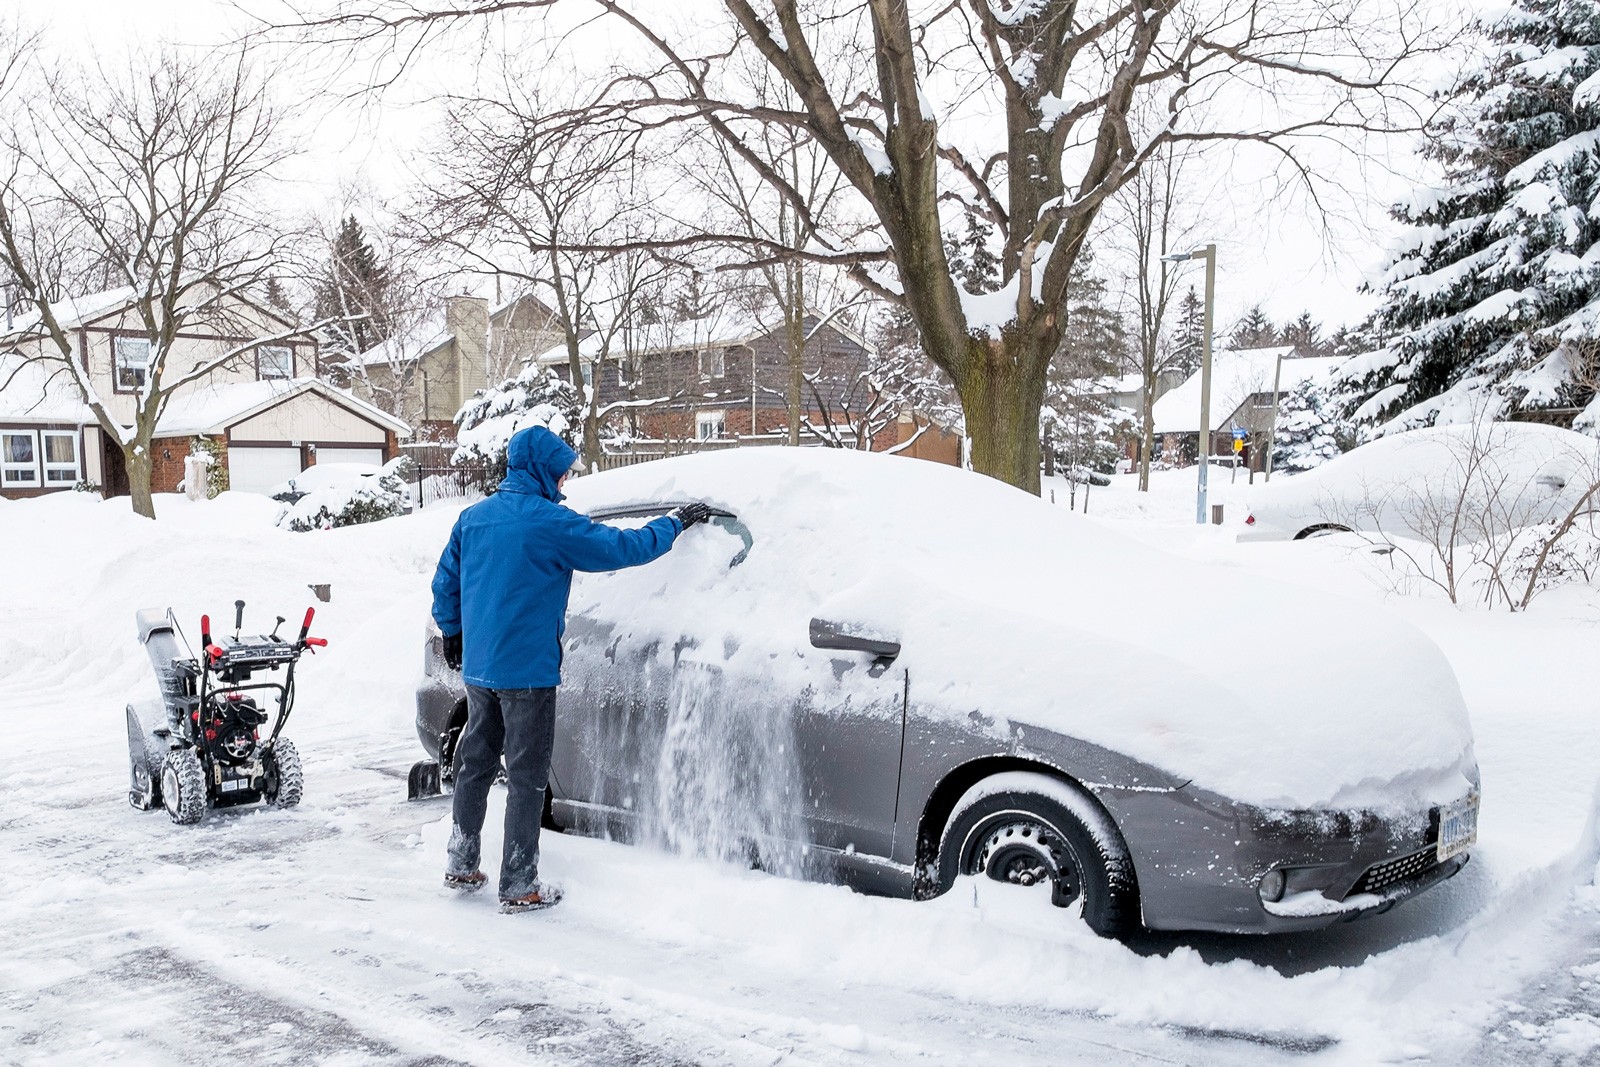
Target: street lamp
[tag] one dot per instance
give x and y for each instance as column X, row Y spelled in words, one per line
column 1209, row 254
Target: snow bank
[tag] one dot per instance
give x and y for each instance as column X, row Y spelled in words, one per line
column 1008, row 608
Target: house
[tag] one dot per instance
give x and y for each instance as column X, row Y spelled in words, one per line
column 424, row 374
column 726, row 378
column 264, row 412
column 1242, row 398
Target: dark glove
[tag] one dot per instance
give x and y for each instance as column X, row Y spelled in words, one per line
column 690, row 514
column 452, row 651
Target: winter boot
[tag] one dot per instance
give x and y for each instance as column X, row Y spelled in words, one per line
column 545, row 896
column 465, row 883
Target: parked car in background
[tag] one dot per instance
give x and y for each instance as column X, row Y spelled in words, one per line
column 329, row 495
column 895, row 674
column 1459, row 483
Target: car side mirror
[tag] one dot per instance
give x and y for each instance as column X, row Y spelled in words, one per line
column 825, row 633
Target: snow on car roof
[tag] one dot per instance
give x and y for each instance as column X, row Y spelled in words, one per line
column 1017, row 613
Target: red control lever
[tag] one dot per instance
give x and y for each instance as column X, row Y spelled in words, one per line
column 317, row 642
column 214, row 652
column 305, row 627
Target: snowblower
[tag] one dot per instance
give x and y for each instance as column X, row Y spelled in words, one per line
column 200, row 746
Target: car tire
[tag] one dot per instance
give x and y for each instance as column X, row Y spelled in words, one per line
column 1034, row 829
column 183, row 786
column 1325, row 529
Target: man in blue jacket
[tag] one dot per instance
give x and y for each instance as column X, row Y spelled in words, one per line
column 500, row 599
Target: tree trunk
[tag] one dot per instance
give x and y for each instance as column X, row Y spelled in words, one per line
column 1147, row 437
column 1002, row 403
column 137, row 460
column 795, row 327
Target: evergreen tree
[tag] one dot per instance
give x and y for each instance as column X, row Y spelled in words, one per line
column 1492, row 291
column 1305, row 335
column 1189, row 333
column 1254, row 330
column 1082, row 428
column 971, row 261
column 353, row 292
column 277, row 297
column 1310, row 430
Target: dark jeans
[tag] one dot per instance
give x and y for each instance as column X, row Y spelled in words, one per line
column 521, row 724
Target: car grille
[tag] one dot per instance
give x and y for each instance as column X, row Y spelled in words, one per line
column 1381, row 876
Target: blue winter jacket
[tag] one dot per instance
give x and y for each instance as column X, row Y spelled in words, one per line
column 504, row 578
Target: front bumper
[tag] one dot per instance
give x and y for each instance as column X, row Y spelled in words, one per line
column 1200, row 857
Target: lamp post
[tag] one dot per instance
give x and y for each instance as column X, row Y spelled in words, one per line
column 1209, row 254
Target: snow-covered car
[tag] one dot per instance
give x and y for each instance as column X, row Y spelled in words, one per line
column 893, row 673
column 1457, row 483
column 327, row 495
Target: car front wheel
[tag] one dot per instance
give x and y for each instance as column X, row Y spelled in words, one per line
column 1031, row 829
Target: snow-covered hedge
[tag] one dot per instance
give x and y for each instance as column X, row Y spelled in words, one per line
column 486, row 423
column 331, row 495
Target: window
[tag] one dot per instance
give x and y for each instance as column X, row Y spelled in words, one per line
column 61, row 458
column 710, row 425
column 19, row 459
column 713, row 364
column 588, row 377
column 133, row 357
column 275, row 361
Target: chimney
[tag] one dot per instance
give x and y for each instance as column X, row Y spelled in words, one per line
column 467, row 319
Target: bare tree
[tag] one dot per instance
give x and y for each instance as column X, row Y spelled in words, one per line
column 148, row 177
column 1155, row 219
column 557, row 205
column 1056, row 81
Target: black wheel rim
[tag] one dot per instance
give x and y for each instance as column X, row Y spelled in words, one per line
column 1020, row 848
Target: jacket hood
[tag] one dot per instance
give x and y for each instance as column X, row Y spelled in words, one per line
column 535, row 461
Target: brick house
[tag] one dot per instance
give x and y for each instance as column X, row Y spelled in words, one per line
column 426, row 373
column 264, row 411
column 726, row 379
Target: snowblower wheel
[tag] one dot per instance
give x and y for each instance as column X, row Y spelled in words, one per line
column 284, row 779
column 183, row 786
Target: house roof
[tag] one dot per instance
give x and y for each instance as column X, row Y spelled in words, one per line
column 211, row 409
column 76, row 311
column 41, row 392
column 714, row 331
column 428, row 335
column 1236, row 375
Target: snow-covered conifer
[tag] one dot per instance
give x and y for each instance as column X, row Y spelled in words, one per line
column 1492, row 291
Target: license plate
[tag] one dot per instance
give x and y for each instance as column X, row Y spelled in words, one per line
column 1458, row 826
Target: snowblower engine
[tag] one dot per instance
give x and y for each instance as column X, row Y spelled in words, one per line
column 229, row 726
column 204, row 744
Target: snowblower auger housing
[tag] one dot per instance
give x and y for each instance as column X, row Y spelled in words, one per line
column 201, row 746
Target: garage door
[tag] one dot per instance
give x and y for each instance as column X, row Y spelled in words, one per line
column 373, row 456
column 258, row 470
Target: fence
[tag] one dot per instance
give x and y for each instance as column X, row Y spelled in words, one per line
column 440, row 485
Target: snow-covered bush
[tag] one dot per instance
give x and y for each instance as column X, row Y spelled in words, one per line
column 487, row 422
column 216, row 470
column 331, row 495
column 1310, row 432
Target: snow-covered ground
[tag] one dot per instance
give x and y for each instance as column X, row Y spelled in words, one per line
column 321, row 935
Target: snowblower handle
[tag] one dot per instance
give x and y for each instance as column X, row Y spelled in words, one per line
column 320, row 642
column 205, row 631
column 238, row 617
column 305, row 627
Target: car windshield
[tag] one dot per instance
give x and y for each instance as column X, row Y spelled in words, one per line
column 638, row 514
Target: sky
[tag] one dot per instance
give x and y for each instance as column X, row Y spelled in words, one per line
column 1283, row 254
